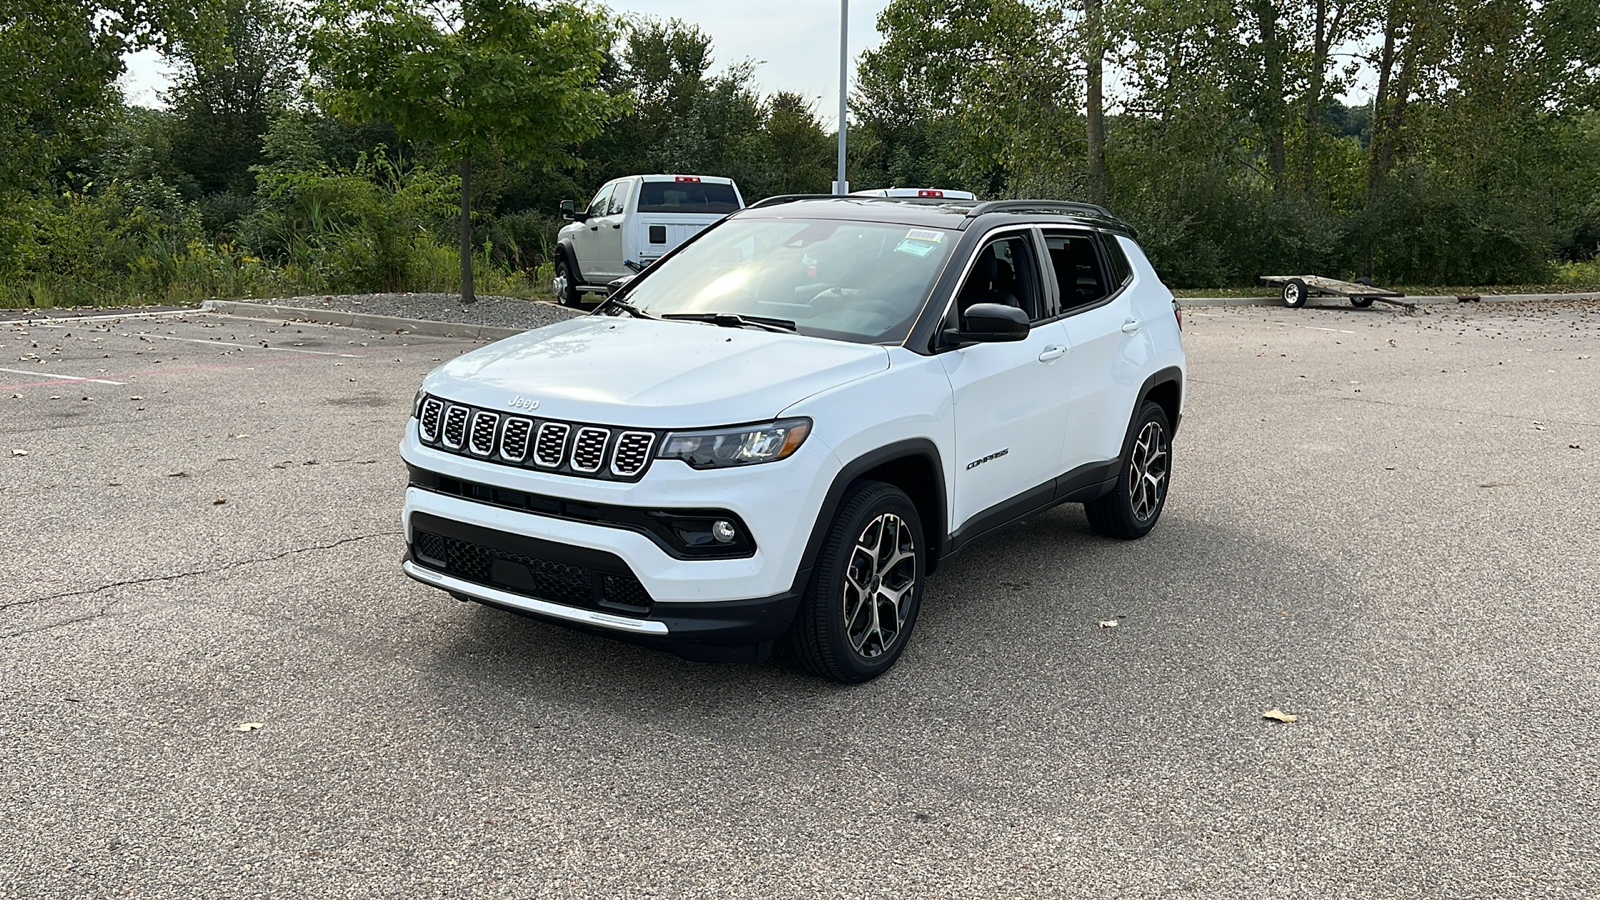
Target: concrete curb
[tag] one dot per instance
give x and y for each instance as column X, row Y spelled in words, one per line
column 1413, row 301
column 391, row 324
column 430, row 328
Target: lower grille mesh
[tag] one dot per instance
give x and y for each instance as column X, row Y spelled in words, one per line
column 545, row 579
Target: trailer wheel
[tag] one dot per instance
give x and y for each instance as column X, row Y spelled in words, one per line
column 1361, row 302
column 1294, row 293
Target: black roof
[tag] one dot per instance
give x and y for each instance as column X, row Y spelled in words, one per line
column 930, row 212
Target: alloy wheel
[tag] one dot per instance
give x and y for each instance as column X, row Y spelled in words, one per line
column 1148, row 466
column 879, row 583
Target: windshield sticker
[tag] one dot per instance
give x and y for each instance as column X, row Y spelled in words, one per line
column 925, row 234
column 915, row 248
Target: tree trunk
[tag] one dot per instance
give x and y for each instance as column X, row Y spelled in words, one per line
column 1380, row 112
column 467, row 295
column 1270, row 114
column 1095, row 101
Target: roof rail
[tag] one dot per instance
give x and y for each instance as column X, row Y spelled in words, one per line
column 1068, row 207
column 787, row 198
column 1099, row 214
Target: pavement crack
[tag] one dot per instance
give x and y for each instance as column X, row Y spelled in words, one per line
column 175, row 576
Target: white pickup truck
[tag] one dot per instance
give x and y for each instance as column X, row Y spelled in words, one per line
column 632, row 222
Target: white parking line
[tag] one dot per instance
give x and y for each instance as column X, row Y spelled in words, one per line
column 54, row 377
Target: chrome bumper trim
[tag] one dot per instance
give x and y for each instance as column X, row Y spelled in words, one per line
column 531, row 604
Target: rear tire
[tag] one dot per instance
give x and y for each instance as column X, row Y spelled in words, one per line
column 861, row 603
column 1134, row 505
column 1294, row 293
column 1361, row 302
column 566, row 287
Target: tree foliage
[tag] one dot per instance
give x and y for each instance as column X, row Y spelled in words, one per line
column 1420, row 141
column 512, row 75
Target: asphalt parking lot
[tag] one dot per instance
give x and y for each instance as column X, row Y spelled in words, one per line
column 1385, row 525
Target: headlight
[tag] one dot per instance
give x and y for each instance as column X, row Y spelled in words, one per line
column 742, row 445
column 416, row 403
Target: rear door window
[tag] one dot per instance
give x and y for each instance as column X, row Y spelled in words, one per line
column 687, row 197
column 1080, row 272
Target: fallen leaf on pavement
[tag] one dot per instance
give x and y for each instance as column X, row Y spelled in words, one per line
column 247, row 726
column 19, row 453
column 1278, row 715
column 219, row 501
column 1108, row 623
column 179, row 474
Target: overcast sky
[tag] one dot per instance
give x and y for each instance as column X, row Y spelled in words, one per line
column 798, row 39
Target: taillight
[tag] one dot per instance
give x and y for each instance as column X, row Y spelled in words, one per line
column 930, row 193
column 1177, row 312
column 689, row 178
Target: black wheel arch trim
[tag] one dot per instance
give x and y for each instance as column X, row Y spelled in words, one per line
column 570, row 257
column 934, row 526
column 1170, row 375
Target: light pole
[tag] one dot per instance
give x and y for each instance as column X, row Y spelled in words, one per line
column 841, row 186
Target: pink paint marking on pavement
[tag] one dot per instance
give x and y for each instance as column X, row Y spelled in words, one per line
column 78, row 379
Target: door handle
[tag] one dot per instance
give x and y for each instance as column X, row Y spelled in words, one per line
column 594, row 227
column 616, row 225
column 1132, row 325
column 1052, row 353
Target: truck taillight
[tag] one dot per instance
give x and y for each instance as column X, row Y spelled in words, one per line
column 930, row 193
column 690, row 178
column 1177, row 312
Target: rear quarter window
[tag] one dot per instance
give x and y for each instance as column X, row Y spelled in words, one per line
column 1121, row 270
column 687, row 197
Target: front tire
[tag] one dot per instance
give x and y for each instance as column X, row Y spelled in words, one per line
column 862, row 600
column 566, row 287
column 1134, row 505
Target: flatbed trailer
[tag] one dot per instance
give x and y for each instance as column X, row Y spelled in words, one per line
column 1297, row 288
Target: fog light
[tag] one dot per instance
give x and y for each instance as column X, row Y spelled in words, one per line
column 723, row 531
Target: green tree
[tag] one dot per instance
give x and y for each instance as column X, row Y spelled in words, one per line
column 513, row 74
column 224, row 97
column 972, row 93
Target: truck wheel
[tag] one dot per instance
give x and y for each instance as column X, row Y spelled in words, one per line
column 1294, row 293
column 1361, row 302
column 861, row 603
column 1134, row 505
column 566, row 288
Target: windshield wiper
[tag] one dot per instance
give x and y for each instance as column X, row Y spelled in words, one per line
column 734, row 320
column 629, row 308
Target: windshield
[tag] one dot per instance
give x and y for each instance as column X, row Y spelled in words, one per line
column 855, row 281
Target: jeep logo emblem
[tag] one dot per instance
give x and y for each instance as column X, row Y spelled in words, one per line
column 521, row 402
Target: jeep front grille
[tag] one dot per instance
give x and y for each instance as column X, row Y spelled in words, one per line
column 514, row 440
column 428, row 422
column 483, row 428
column 632, row 453
column 551, row 450
column 589, row 450
column 455, row 427
column 565, row 448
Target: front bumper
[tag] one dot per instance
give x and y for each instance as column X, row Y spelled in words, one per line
column 586, row 588
column 693, row 605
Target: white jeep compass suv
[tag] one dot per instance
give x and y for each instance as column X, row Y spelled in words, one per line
column 778, row 431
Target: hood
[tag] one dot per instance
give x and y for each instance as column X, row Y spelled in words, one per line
column 649, row 374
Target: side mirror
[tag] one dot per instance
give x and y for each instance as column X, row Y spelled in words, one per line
column 987, row 323
column 569, row 211
column 618, row 284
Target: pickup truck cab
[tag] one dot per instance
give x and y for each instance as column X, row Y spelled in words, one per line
column 630, row 223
